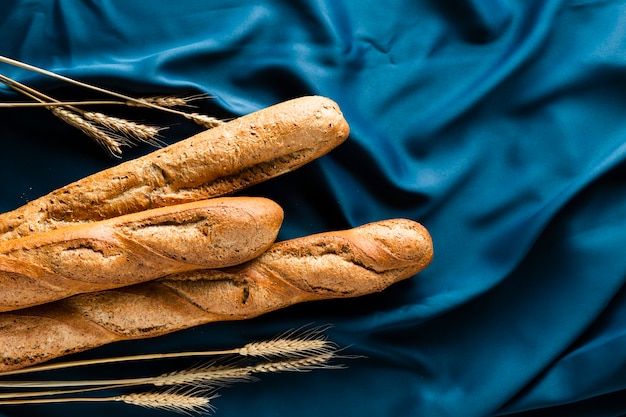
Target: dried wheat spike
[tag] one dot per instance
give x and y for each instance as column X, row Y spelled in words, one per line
column 162, row 101
column 207, row 376
column 204, row 120
column 301, row 364
column 293, row 343
column 168, row 101
column 170, row 401
column 142, row 132
column 109, row 141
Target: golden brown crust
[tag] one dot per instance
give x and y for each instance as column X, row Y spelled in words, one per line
column 219, row 161
column 135, row 248
column 353, row 262
column 329, row 265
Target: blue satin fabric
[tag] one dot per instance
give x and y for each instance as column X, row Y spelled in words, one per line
column 499, row 124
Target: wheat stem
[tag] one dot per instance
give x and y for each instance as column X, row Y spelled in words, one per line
column 200, row 119
column 13, row 395
column 61, row 103
column 217, row 374
column 163, row 101
column 55, row 400
column 41, row 98
column 102, row 361
column 212, row 375
column 193, row 381
column 70, row 384
column 33, row 68
column 111, row 142
column 106, row 138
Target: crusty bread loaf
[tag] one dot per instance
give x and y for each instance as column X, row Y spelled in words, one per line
column 216, row 162
column 328, row 265
column 134, row 248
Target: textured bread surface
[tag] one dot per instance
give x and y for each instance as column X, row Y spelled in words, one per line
column 329, row 265
column 135, row 248
column 245, row 151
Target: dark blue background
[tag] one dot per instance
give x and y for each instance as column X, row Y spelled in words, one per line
column 498, row 124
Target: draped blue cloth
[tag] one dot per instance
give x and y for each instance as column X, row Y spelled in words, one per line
column 500, row 125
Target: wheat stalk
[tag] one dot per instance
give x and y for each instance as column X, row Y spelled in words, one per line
column 200, row 119
column 299, row 343
column 214, row 375
column 219, row 376
column 72, row 114
column 110, row 141
column 30, row 394
column 293, row 343
column 18, row 104
column 95, row 121
column 293, row 351
column 205, row 378
column 33, row 68
column 179, row 399
column 211, row 375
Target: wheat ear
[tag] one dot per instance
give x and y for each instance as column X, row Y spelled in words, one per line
column 185, row 403
column 142, row 132
column 200, row 119
column 23, row 65
column 224, row 375
column 133, row 130
column 110, row 141
column 171, row 101
column 219, row 376
column 170, row 401
column 203, row 120
column 293, row 343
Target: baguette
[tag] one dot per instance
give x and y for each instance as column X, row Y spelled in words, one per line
column 134, row 248
column 216, row 162
column 323, row 266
